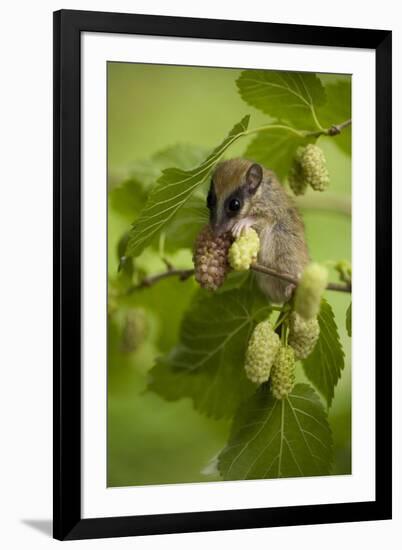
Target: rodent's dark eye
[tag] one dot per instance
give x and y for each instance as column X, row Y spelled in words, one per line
column 234, row 205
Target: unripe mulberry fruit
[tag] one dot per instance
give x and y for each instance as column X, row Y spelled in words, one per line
column 283, row 373
column 309, row 168
column 210, row 258
column 135, row 330
column 310, row 290
column 344, row 270
column 314, row 167
column 296, row 179
column 303, row 335
column 262, row 349
column 244, row 250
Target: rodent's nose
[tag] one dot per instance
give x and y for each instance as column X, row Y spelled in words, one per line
column 220, row 229
column 217, row 230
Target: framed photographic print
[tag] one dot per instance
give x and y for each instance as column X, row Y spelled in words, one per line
column 211, row 181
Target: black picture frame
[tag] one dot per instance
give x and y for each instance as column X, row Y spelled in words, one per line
column 68, row 27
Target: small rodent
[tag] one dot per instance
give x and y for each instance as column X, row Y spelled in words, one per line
column 244, row 194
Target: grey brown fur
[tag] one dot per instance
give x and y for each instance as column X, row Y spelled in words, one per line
column 265, row 206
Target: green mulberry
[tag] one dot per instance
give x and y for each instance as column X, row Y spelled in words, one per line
column 210, row 258
column 135, row 330
column 303, row 335
column 297, row 182
column 344, row 270
column 283, row 373
column 244, row 250
column 309, row 168
column 262, row 348
column 310, row 290
column 314, row 166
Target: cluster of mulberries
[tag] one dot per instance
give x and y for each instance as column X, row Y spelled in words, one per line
column 210, row 258
column 309, row 291
column 303, row 335
column 135, row 330
column 314, row 167
column 283, row 373
column 243, row 252
column 261, row 352
column 267, row 359
column 309, row 168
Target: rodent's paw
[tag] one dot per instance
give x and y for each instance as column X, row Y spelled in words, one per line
column 289, row 291
column 241, row 226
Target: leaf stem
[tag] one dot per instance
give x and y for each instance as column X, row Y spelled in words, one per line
column 333, row 130
column 268, row 127
column 316, row 118
column 281, row 318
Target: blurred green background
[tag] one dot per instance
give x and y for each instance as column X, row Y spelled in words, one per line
column 150, row 108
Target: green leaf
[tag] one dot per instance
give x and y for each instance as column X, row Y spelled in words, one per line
column 337, row 109
column 126, row 265
column 127, row 198
column 273, row 438
column 284, row 95
column 183, row 229
column 181, row 155
column 167, row 302
column 349, row 319
column 172, row 190
column 129, row 195
column 208, row 363
column 276, row 149
column 324, row 366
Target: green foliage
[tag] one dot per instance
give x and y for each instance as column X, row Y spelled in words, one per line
column 166, row 303
column 129, row 195
column 126, row 266
column 324, row 366
column 276, row 148
column 185, row 225
column 349, row 319
column 171, row 192
column 234, row 279
column 142, row 427
column 278, row 438
column 181, row 155
column 284, row 95
column 195, row 344
column 127, row 198
column 298, row 98
column 208, row 362
column 337, row 109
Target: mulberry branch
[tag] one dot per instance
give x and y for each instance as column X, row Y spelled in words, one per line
column 184, row 274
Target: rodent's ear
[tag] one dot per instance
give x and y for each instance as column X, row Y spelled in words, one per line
column 253, row 178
